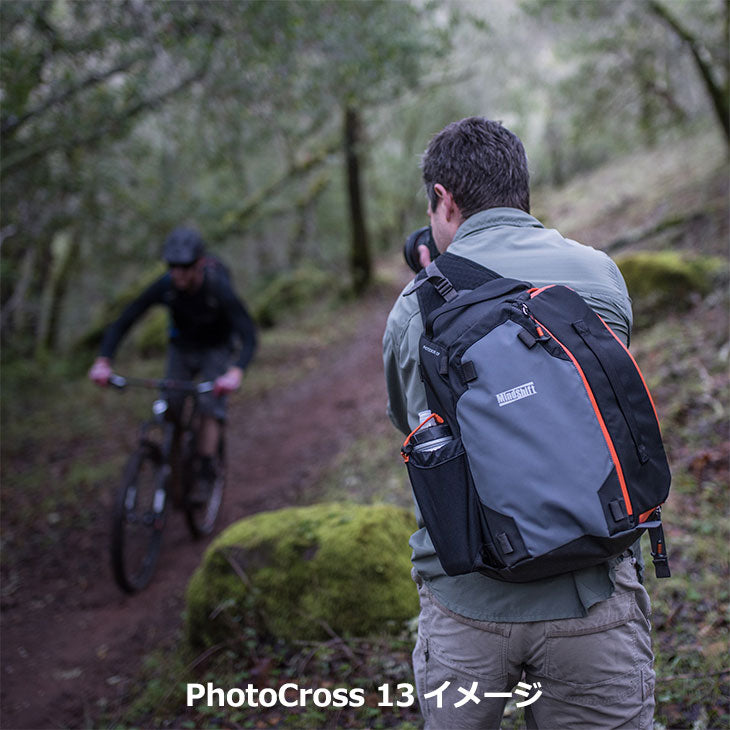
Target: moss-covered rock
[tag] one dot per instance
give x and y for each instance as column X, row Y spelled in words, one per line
column 667, row 280
column 301, row 572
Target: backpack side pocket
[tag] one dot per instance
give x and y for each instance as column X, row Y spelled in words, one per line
column 444, row 490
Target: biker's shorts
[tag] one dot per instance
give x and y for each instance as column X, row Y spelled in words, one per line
column 187, row 363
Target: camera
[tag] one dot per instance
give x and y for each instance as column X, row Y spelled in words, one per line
column 421, row 237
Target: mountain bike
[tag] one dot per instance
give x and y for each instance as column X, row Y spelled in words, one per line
column 162, row 469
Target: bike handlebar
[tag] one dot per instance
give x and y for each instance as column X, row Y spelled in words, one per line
column 187, row 386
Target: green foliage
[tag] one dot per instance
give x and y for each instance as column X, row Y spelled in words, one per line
column 229, row 114
column 75, row 79
column 626, row 75
column 90, row 340
column 690, row 611
column 369, row 470
column 292, row 292
column 154, row 334
column 302, row 573
column 219, row 113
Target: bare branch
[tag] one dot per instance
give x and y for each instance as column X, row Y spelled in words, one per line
column 238, row 218
column 24, row 156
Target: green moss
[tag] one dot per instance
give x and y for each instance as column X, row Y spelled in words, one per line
column 300, row 573
column 668, row 280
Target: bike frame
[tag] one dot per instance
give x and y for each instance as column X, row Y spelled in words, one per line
column 172, row 428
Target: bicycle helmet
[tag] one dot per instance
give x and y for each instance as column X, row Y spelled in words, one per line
column 184, row 246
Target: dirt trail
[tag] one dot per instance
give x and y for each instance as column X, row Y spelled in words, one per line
column 70, row 646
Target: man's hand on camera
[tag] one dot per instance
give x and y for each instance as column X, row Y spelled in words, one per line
column 229, row 381
column 101, row 371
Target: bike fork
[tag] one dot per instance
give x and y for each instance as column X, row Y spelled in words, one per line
column 158, row 503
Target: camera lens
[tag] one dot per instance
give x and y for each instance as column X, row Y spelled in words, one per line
column 421, row 237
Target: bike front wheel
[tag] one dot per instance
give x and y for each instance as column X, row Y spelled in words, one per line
column 138, row 519
column 202, row 517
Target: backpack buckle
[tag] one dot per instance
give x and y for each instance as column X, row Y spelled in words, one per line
column 659, row 550
column 444, row 287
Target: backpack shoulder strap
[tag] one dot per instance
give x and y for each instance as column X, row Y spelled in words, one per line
column 447, row 276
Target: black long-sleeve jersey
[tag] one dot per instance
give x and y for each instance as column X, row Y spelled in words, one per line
column 211, row 316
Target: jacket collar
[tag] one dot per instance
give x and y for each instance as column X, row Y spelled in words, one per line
column 493, row 217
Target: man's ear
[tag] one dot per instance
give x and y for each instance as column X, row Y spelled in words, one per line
column 451, row 209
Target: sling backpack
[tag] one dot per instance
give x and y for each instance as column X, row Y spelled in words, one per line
column 548, row 456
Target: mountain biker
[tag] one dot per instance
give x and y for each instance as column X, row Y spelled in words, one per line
column 206, row 317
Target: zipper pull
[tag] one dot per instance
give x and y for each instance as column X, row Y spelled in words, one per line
column 541, row 336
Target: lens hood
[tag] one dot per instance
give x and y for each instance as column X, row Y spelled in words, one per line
column 421, row 237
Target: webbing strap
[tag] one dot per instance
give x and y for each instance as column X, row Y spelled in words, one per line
column 432, row 275
column 457, row 272
column 659, row 551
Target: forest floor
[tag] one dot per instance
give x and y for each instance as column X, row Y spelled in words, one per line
column 72, row 642
column 308, row 425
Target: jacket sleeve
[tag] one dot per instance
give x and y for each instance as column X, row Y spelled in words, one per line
column 406, row 394
column 397, row 409
column 116, row 331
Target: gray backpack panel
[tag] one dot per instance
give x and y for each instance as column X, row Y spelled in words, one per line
column 515, row 434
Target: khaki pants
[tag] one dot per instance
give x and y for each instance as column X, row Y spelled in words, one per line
column 587, row 673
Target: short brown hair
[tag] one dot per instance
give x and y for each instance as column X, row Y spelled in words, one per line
column 481, row 163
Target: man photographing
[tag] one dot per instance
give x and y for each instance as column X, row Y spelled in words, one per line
column 206, row 318
column 581, row 636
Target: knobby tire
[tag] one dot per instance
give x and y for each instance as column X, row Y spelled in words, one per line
column 136, row 528
column 201, row 518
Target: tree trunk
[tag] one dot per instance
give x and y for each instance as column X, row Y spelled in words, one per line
column 65, row 256
column 13, row 314
column 718, row 92
column 360, row 265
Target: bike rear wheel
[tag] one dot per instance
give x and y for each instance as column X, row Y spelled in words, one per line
column 138, row 519
column 201, row 518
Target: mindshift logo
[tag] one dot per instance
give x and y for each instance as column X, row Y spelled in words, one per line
column 517, row 393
